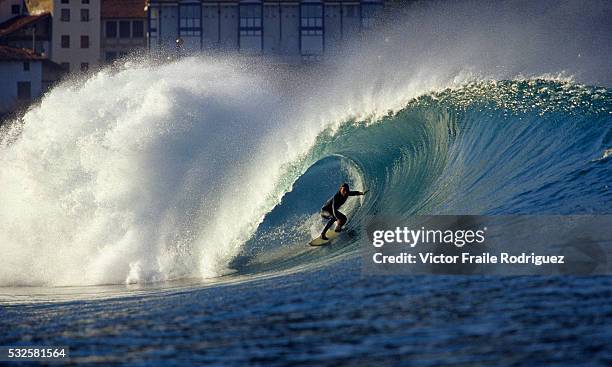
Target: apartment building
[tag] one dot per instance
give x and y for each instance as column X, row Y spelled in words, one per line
column 76, row 34
column 287, row 30
column 25, row 76
column 21, row 75
column 11, row 8
column 28, row 31
column 123, row 28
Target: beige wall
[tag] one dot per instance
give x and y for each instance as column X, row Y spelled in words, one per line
column 75, row 28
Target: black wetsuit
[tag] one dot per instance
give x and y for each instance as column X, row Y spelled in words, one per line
column 330, row 209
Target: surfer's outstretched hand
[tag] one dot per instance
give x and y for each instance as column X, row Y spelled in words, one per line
column 365, row 192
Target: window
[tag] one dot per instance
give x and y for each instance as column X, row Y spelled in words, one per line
column 84, row 41
column 65, row 15
column 312, row 16
column 26, row 66
column 65, row 41
column 124, row 29
column 190, row 20
column 15, row 9
column 84, row 15
column 312, row 20
column 311, row 29
column 111, row 56
column 250, row 20
column 250, row 28
column 65, row 1
column 84, row 66
column 24, row 91
column 84, row 1
column 153, row 19
column 111, row 29
column 137, row 29
column 250, row 32
column 312, row 32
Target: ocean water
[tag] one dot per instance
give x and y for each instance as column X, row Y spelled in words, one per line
column 165, row 222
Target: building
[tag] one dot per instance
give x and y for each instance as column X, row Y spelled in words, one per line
column 287, row 30
column 25, row 71
column 25, row 76
column 123, row 28
column 21, row 75
column 11, row 8
column 75, row 39
column 28, row 31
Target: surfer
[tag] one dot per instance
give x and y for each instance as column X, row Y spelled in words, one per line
column 330, row 209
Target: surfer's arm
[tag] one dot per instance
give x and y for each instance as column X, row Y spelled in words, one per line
column 357, row 193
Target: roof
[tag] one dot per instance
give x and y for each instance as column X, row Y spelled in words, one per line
column 18, row 54
column 14, row 24
column 123, row 9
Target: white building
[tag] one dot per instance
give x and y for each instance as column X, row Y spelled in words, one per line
column 21, row 73
column 25, row 76
column 76, row 34
column 10, row 9
column 288, row 30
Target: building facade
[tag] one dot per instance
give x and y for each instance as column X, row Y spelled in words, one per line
column 286, row 30
column 28, row 31
column 11, row 8
column 21, row 74
column 123, row 28
column 76, row 34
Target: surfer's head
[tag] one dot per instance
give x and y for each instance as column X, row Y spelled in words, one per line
column 344, row 189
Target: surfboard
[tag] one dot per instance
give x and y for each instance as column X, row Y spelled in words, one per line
column 330, row 234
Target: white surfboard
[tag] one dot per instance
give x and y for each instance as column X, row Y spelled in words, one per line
column 330, row 234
